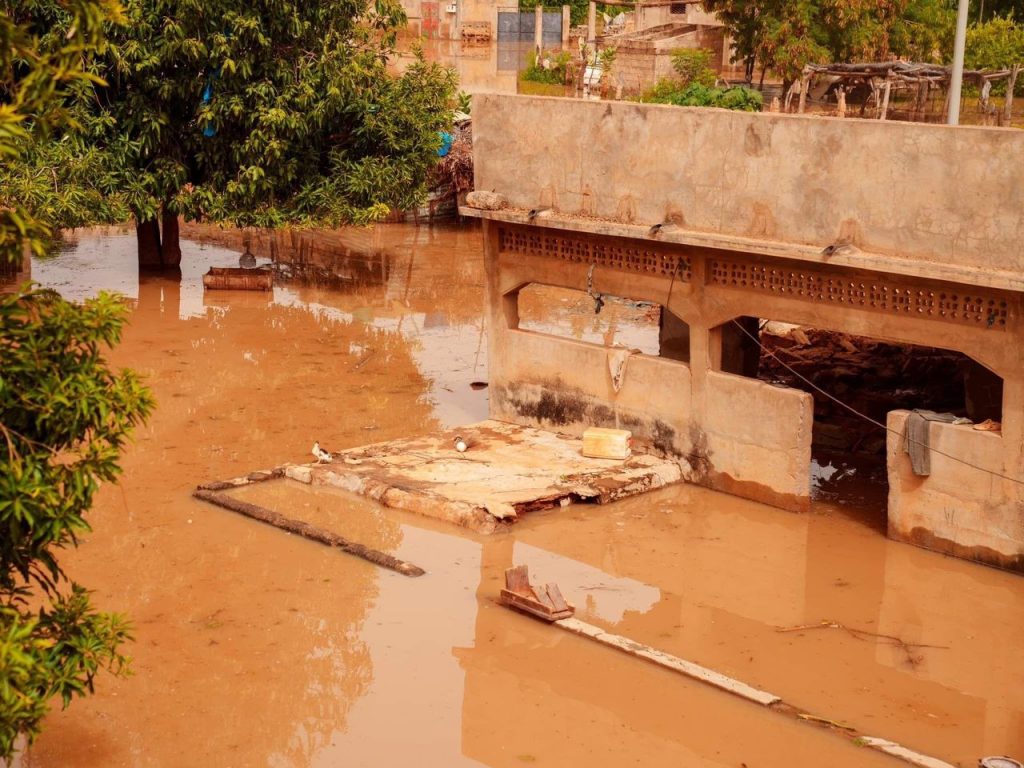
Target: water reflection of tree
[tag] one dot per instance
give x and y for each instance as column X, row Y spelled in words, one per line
column 262, row 661
column 423, row 269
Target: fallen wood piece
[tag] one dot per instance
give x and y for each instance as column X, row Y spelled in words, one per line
column 258, row 476
column 687, row 668
column 825, row 721
column 308, row 531
column 741, row 689
column 517, row 579
column 731, row 685
column 544, row 602
column 238, row 279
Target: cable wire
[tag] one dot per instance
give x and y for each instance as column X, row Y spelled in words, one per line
column 864, row 416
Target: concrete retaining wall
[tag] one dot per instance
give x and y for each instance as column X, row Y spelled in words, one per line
column 930, row 224
column 923, row 192
column 957, row 509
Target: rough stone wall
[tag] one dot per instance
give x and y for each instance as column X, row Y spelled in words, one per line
column 924, row 192
column 634, row 68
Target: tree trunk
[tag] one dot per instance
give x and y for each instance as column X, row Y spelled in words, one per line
column 170, row 248
column 147, row 235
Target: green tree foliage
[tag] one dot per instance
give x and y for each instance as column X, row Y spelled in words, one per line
column 42, row 44
column 786, row 35
column 995, row 44
column 693, row 65
column 983, row 10
column 63, row 414
column 578, row 9
column 64, row 418
column 263, row 113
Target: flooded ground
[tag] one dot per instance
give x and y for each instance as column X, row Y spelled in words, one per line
column 256, row 648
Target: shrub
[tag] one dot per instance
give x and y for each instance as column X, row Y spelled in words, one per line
column 693, row 65
column 550, row 68
column 65, row 415
column 670, row 91
column 996, row 44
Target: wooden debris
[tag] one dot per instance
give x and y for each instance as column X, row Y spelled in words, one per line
column 544, row 602
column 259, row 476
column 738, row 688
column 238, row 279
column 308, row 531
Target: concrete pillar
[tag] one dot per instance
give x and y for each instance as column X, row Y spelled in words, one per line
column 673, row 337
column 592, row 22
column 538, row 28
column 566, row 24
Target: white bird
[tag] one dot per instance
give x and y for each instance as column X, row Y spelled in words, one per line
column 322, row 456
column 460, row 444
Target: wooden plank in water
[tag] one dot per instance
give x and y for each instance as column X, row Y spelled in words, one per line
column 530, row 605
column 308, row 531
column 238, row 279
column 517, row 579
column 544, row 602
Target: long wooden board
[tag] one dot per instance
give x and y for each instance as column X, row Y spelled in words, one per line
column 308, row 531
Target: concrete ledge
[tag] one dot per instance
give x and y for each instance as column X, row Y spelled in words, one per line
column 851, row 257
column 507, row 471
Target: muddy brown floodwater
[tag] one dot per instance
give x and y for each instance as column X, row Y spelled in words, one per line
column 256, row 648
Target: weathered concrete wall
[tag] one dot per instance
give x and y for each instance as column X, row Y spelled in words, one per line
column 922, row 192
column 746, row 202
column 728, row 432
column 663, row 14
column 758, row 440
column 957, row 509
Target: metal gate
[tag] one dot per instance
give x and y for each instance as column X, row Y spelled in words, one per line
column 519, row 26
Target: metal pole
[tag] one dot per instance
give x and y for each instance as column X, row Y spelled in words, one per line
column 957, row 75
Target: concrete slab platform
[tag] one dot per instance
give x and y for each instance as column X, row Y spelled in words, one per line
column 507, row 471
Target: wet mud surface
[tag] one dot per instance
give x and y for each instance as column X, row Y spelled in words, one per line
column 256, row 648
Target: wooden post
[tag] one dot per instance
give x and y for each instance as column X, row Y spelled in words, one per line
column 592, row 22
column 885, row 99
column 921, row 103
column 538, row 28
column 1008, row 104
column 841, row 102
column 308, row 531
column 775, row 105
column 805, row 83
column 566, row 24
